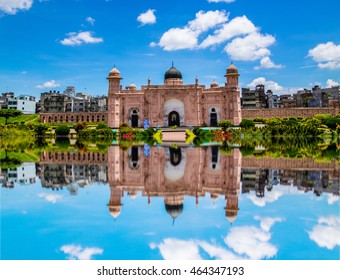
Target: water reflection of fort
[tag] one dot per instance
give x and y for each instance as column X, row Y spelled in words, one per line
column 174, row 173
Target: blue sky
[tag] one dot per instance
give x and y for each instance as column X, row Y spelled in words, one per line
column 49, row 44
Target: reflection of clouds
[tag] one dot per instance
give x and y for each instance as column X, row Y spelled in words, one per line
column 176, row 249
column 251, row 241
column 269, row 197
column 267, row 222
column 246, row 242
column 218, row 252
column 273, row 195
column 53, row 198
column 77, row 252
column 327, row 232
column 332, row 199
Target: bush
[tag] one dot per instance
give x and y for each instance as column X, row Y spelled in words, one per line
column 62, row 130
column 245, row 123
column 259, row 120
column 332, row 122
column 102, row 125
column 62, row 143
column 224, row 124
column 40, row 129
column 125, row 128
column 79, row 126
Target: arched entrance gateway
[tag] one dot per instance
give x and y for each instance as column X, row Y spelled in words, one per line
column 173, row 113
column 174, row 119
column 213, row 117
column 134, row 117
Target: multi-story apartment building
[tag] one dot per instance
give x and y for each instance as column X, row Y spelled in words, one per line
column 68, row 102
column 24, row 103
column 254, row 98
column 272, row 100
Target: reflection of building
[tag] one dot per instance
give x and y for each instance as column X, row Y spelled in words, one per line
column 67, row 169
column 174, row 173
column 23, row 174
column 57, row 176
column 174, row 103
column 254, row 179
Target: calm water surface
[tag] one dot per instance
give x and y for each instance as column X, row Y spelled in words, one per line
column 170, row 203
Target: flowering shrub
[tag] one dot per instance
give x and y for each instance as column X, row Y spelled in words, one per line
column 129, row 136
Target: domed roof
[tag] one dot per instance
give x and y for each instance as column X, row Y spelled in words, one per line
column 232, row 68
column 174, row 210
column 172, row 73
column 115, row 211
column 132, row 86
column 114, row 72
column 231, row 216
column 214, row 84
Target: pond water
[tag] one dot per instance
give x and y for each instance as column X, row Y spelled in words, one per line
column 170, row 203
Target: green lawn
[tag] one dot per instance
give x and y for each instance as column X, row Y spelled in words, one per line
column 34, row 118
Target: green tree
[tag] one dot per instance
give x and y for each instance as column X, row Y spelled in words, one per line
column 224, row 124
column 9, row 113
column 245, row 123
column 40, row 129
column 62, row 130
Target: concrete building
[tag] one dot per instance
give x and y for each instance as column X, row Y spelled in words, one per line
column 272, row 100
column 24, row 103
column 254, row 98
column 4, row 99
column 174, row 103
column 326, row 94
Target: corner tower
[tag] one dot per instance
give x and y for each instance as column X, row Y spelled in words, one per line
column 113, row 100
column 114, row 81
column 233, row 91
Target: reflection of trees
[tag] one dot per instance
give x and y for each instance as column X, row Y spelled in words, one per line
column 8, row 162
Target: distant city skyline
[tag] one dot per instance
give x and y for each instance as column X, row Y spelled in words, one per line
column 49, row 45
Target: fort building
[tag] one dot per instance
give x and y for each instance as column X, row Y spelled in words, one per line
column 173, row 103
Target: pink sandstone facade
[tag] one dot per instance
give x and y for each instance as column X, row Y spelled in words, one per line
column 174, row 174
column 174, row 103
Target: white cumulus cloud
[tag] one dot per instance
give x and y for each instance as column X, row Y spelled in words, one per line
column 326, row 233
column 147, row 18
column 48, row 84
column 187, row 37
column 178, row 39
column 331, row 83
column 153, row 44
column 53, row 198
column 275, row 87
column 82, row 37
column 252, row 47
column 236, row 27
column 76, row 252
column 326, row 55
column 267, row 63
column 13, row 6
column 90, row 20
